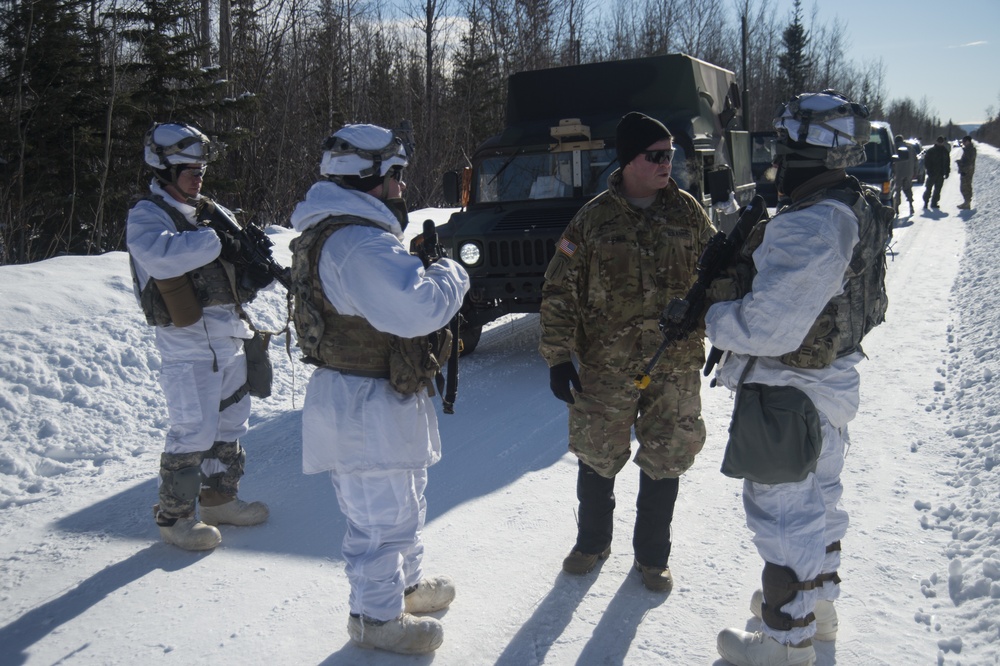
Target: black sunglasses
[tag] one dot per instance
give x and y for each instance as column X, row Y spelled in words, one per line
column 659, row 156
column 197, row 169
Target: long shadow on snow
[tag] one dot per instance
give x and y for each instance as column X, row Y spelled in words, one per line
column 506, row 423
column 18, row 636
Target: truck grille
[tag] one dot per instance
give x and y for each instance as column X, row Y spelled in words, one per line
column 525, row 254
column 531, row 254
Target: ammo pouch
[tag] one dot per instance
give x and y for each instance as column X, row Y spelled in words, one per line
column 179, row 299
column 260, row 373
column 170, row 301
column 774, row 436
column 415, row 362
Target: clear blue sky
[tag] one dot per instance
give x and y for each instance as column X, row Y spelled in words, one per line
column 945, row 50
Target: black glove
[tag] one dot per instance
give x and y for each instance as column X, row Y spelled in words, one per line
column 231, row 248
column 256, row 277
column 561, row 376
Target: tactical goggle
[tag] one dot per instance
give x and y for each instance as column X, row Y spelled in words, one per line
column 196, row 170
column 659, row 156
column 208, row 149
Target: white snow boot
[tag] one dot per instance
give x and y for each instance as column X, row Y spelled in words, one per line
column 430, row 595
column 218, row 509
column 825, row 612
column 190, row 533
column 405, row 635
column 742, row 648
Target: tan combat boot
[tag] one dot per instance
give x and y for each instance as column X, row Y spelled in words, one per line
column 219, row 509
column 656, row 579
column 578, row 563
column 430, row 595
column 405, row 635
column 188, row 532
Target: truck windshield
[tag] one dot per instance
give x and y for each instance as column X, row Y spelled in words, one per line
column 542, row 175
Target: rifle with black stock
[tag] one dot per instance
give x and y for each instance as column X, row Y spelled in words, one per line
column 682, row 315
column 255, row 246
column 427, row 247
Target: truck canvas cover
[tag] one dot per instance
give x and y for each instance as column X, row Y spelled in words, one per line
column 676, row 88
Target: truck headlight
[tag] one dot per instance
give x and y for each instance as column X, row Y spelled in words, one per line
column 470, row 253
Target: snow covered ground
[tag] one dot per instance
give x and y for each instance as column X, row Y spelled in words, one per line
column 84, row 578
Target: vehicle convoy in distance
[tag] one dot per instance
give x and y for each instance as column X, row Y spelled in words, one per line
column 556, row 152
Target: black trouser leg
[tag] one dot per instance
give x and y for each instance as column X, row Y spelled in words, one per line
column 654, row 513
column 597, row 510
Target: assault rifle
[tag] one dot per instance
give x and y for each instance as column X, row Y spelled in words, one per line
column 255, row 247
column 427, row 247
column 682, row 315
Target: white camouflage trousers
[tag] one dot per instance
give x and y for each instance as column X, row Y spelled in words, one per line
column 793, row 523
column 193, row 390
column 382, row 549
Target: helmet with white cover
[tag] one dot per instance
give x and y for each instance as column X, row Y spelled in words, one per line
column 825, row 128
column 363, row 151
column 168, row 144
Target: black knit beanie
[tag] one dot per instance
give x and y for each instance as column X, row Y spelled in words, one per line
column 636, row 132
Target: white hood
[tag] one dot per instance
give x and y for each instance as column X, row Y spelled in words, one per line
column 326, row 198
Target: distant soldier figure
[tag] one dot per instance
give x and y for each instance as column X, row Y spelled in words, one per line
column 937, row 161
column 966, row 167
column 904, row 173
column 622, row 258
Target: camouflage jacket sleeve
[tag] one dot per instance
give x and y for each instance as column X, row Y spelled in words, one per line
column 565, row 282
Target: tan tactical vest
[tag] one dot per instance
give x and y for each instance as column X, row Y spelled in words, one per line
column 349, row 343
column 847, row 318
column 215, row 283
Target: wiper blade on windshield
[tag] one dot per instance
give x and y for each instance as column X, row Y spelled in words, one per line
column 505, row 165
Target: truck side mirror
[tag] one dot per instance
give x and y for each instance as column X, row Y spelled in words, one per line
column 719, row 182
column 451, row 188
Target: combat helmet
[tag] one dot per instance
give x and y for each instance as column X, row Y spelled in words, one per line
column 168, row 145
column 823, row 129
column 360, row 157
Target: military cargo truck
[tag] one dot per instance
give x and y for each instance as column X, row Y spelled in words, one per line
column 556, row 152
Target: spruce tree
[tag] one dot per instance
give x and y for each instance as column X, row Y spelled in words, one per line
column 795, row 65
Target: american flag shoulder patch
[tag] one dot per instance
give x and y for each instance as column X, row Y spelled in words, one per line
column 566, row 246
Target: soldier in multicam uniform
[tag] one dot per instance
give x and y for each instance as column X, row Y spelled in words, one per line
column 938, row 165
column 904, row 168
column 622, row 258
column 966, row 168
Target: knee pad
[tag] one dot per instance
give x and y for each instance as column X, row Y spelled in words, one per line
column 183, row 484
column 780, row 585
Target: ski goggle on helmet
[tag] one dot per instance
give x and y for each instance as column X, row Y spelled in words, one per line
column 168, row 144
column 837, row 128
column 363, row 151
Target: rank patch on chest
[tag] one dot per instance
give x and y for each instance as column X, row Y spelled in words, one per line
column 566, row 246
